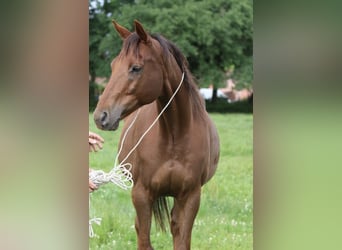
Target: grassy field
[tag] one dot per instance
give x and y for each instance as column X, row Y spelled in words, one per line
column 225, row 218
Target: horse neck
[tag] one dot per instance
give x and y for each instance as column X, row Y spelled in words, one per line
column 177, row 117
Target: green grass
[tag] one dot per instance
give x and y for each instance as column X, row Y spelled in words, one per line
column 225, row 218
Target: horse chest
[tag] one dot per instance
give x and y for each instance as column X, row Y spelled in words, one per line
column 168, row 173
column 170, row 178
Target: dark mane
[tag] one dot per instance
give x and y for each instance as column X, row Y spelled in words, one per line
column 132, row 41
column 170, row 49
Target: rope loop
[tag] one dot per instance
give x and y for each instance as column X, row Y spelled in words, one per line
column 120, row 175
column 91, row 221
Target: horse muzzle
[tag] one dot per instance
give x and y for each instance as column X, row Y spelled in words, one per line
column 107, row 120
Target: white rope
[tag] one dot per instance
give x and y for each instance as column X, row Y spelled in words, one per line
column 91, row 221
column 154, row 122
column 124, row 138
column 120, row 174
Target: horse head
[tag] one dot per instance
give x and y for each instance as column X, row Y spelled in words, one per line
column 136, row 78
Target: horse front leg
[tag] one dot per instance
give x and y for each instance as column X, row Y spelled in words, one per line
column 143, row 207
column 183, row 215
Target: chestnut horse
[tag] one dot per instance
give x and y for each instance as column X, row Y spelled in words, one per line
column 181, row 151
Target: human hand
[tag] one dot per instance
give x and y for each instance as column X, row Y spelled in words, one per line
column 92, row 186
column 95, row 142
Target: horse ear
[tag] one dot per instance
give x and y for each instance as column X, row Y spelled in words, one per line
column 123, row 32
column 139, row 29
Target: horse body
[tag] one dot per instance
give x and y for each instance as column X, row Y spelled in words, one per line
column 168, row 151
column 180, row 152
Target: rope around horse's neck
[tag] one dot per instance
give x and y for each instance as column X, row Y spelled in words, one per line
column 120, row 174
column 154, row 122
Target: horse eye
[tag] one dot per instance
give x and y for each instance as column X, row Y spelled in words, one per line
column 135, row 69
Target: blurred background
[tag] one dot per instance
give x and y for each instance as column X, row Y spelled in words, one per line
column 216, row 36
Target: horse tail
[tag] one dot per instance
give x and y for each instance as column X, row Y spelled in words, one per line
column 161, row 213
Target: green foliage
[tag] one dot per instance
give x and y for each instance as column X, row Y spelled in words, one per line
column 244, row 75
column 225, row 218
column 94, row 92
column 213, row 34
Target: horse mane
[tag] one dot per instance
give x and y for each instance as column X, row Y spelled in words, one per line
column 170, row 49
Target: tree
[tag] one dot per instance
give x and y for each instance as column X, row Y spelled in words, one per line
column 213, row 34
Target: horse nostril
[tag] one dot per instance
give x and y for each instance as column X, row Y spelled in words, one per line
column 104, row 119
column 103, row 116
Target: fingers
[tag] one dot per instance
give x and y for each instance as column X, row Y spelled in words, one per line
column 95, row 142
column 92, row 148
column 95, row 147
column 92, row 186
column 95, row 137
column 92, row 141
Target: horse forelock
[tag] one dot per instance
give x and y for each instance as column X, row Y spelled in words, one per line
column 131, row 43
